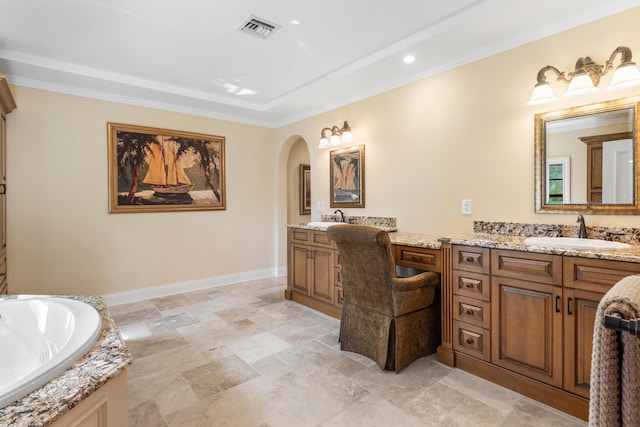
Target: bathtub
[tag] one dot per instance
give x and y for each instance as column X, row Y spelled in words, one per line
column 40, row 337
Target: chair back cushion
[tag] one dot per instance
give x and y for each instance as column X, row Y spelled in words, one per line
column 367, row 265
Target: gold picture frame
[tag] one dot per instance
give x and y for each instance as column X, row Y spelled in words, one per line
column 161, row 170
column 305, row 189
column 346, row 167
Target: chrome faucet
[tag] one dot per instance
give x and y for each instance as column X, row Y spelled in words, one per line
column 341, row 214
column 582, row 234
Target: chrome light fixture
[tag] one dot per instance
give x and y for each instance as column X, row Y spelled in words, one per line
column 330, row 137
column 586, row 77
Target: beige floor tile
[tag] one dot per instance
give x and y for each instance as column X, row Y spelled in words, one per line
column 258, row 346
column 372, row 411
column 239, row 355
column 214, row 377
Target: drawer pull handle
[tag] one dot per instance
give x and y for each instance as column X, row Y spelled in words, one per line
column 469, row 311
column 557, row 304
column 569, row 312
column 469, row 259
column 468, row 285
column 469, row 341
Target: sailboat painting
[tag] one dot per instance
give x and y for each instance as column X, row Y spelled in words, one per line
column 160, row 170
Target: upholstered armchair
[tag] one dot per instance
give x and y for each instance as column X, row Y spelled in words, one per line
column 391, row 320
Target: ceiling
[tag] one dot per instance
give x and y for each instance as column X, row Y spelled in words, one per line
column 189, row 56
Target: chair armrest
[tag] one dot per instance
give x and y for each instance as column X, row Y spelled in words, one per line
column 422, row 280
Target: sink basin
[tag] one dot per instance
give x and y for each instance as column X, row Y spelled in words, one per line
column 323, row 225
column 574, row 243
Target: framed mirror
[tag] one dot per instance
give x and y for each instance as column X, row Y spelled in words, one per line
column 586, row 159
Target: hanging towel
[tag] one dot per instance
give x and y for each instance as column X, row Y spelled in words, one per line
column 615, row 360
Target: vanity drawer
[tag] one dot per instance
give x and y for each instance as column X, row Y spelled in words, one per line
column 597, row 275
column 320, row 238
column 420, row 258
column 473, row 285
column 299, row 235
column 470, row 258
column 472, row 311
column 541, row 268
column 471, row 340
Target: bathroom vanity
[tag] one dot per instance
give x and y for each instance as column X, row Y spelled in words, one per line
column 92, row 392
column 518, row 315
column 523, row 316
column 315, row 273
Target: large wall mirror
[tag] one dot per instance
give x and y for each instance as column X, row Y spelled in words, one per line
column 587, row 159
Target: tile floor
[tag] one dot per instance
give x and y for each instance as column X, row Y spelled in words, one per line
column 240, row 355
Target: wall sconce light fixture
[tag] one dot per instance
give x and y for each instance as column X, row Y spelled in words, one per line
column 330, row 137
column 586, row 77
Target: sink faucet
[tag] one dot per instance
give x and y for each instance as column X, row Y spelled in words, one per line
column 582, row 234
column 341, row 214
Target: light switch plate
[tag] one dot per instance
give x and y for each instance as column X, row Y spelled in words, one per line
column 319, row 207
column 465, row 207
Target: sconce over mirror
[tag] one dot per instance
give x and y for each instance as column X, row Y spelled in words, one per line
column 586, row 159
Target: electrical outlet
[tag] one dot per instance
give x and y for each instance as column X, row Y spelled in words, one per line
column 465, row 207
column 319, row 207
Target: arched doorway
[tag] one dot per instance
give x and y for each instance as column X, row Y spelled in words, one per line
column 296, row 163
column 293, row 152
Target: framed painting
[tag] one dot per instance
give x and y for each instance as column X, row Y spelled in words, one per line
column 347, row 177
column 305, row 190
column 160, row 170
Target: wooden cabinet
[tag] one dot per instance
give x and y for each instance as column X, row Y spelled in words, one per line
column 312, row 270
column 585, row 283
column 471, row 301
column 315, row 269
column 526, row 329
column 525, row 320
column 7, row 104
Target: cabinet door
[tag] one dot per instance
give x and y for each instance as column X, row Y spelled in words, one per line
column 580, row 309
column 526, row 328
column 299, row 266
column 322, row 287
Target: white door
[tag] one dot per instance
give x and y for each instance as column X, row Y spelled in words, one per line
column 617, row 171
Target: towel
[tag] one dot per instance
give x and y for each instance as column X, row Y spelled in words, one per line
column 615, row 360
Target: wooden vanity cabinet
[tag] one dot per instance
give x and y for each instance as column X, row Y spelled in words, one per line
column 311, row 263
column 542, row 310
column 471, row 311
column 527, row 321
column 585, row 283
column 7, row 104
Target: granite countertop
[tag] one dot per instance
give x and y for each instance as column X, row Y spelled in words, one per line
column 106, row 359
column 498, row 241
column 311, row 227
column 418, row 240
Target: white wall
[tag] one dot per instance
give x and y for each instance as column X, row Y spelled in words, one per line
column 61, row 238
column 465, row 134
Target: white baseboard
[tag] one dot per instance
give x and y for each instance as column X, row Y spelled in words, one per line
column 192, row 285
column 282, row 271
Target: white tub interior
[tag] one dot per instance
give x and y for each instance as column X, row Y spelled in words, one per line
column 40, row 338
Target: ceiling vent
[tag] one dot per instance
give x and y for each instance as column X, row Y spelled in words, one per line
column 258, row 27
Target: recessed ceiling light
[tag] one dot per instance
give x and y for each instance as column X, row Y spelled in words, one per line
column 408, row 59
column 295, row 22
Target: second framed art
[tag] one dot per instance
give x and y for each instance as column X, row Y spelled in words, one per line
column 160, row 170
column 347, row 177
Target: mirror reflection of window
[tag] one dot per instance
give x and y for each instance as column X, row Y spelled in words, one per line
column 558, row 180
